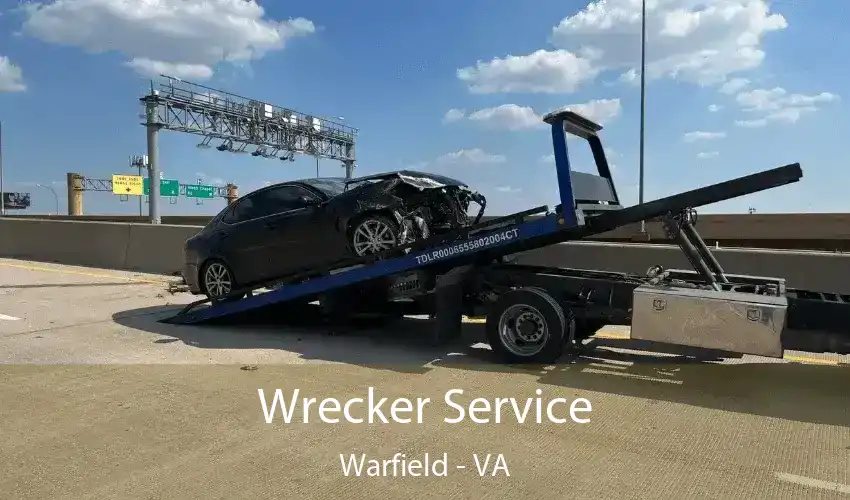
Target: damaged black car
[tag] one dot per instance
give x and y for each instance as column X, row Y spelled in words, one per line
column 285, row 228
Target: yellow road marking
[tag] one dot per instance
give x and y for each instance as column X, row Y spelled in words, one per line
column 811, row 361
column 620, row 336
column 611, row 336
column 85, row 273
column 788, row 357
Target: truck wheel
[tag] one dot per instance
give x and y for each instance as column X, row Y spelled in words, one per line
column 527, row 325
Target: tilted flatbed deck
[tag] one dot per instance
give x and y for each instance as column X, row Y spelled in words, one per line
column 466, row 270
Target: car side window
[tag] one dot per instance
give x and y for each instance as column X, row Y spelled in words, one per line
column 282, row 199
column 269, row 202
column 243, row 210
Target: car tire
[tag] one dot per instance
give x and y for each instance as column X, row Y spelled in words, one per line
column 217, row 280
column 374, row 234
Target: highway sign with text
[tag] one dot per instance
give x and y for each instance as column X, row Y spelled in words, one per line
column 200, row 191
column 167, row 187
column 127, row 185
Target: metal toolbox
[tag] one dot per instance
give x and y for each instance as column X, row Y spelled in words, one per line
column 729, row 321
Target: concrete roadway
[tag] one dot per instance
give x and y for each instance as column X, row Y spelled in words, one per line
column 99, row 400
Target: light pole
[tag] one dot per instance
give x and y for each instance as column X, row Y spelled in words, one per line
column 55, row 196
column 2, row 193
column 642, row 104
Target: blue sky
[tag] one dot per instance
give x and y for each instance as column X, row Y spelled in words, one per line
column 734, row 87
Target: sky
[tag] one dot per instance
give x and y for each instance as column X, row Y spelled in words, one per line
column 457, row 88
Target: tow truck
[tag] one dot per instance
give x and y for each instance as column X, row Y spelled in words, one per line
column 535, row 314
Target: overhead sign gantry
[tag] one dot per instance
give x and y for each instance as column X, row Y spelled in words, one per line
column 232, row 123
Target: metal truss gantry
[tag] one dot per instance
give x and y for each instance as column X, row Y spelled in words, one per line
column 242, row 125
column 247, row 125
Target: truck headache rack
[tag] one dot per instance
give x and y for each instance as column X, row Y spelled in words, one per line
column 742, row 314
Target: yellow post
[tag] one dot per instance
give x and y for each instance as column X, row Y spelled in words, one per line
column 232, row 193
column 75, row 194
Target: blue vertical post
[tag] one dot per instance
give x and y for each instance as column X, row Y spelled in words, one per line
column 565, row 182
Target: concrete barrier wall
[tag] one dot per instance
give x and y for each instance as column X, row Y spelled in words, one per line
column 159, row 249
column 829, row 232
column 176, row 220
column 110, row 245
column 819, row 271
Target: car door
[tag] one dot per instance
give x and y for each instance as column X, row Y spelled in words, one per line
column 242, row 239
column 290, row 222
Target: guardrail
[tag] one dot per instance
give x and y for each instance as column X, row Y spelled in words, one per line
column 827, row 232
column 159, row 249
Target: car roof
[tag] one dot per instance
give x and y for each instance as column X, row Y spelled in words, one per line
column 384, row 175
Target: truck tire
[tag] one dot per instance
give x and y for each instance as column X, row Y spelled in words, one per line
column 527, row 325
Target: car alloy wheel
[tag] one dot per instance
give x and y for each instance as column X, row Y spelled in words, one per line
column 218, row 280
column 374, row 235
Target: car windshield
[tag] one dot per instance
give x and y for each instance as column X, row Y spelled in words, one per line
column 329, row 185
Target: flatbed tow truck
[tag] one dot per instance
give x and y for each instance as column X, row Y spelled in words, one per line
column 535, row 314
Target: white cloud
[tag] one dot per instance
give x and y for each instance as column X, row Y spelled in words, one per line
column 454, row 115
column 787, row 116
column 776, row 105
column 702, row 136
column 777, row 98
column 599, row 110
column 11, row 76
column 515, row 117
column 708, row 154
column 507, row 116
column 508, row 189
column 550, row 158
column 714, row 108
column 475, row 155
column 542, row 71
column 631, row 76
column 147, row 67
column 186, row 38
column 759, row 122
column 734, row 85
column 693, row 41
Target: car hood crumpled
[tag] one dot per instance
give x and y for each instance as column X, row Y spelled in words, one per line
column 420, row 180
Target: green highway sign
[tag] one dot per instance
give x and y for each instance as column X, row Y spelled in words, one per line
column 167, row 187
column 200, row 191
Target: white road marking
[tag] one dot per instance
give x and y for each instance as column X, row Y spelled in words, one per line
column 632, row 375
column 813, row 483
column 9, row 318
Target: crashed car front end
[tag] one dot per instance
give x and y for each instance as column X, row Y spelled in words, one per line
column 428, row 204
